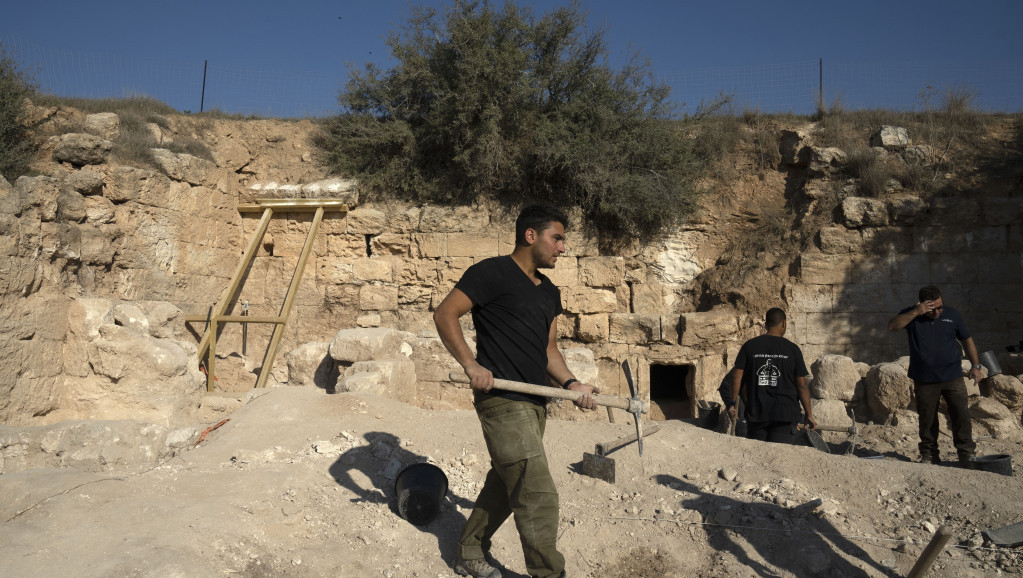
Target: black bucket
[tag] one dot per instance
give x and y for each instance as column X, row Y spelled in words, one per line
column 994, row 463
column 708, row 413
column 420, row 489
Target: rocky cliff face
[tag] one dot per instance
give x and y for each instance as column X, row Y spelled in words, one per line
column 839, row 260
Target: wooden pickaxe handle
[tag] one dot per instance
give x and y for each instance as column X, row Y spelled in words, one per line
column 629, row 405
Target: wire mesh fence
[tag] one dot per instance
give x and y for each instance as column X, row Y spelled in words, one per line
column 771, row 88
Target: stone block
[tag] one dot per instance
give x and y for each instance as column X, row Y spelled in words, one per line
column 945, row 269
column 709, row 327
column 471, row 245
column 378, row 298
column 396, row 244
column 310, row 364
column 565, row 272
column 1001, row 211
column 438, row 219
column 887, row 241
column 346, row 247
column 810, row 298
column 864, row 212
column 906, row 209
column 592, row 328
column 397, row 376
column 856, row 297
column 888, row 389
column 634, row 328
column 366, row 221
column 823, row 329
column 429, row 245
column 372, row 270
column 584, row 300
column 647, row 297
column 579, row 243
column 840, row 240
column 910, row 267
column 81, row 149
column 1000, row 268
column 834, row 377
column 824, row 269
column 671, row 329
column 602, row 271
column 351, row 345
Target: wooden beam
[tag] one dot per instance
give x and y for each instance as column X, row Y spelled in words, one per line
column 289, row 300
column 294, row 205
column 235, row 319
column 236, row 279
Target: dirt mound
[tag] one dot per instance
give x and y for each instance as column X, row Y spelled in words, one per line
column 300, row 483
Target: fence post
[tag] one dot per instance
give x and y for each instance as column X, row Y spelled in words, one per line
column 202, row 99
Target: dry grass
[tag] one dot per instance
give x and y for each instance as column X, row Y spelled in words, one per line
column 135, row 142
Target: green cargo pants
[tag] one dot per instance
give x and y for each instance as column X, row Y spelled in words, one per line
column 519, row 482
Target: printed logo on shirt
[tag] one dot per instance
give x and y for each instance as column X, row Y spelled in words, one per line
column 768, row 374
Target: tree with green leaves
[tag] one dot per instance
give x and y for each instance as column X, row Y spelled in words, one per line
column 15, row 140
column 498, row 102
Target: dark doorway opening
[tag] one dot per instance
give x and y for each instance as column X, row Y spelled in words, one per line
column 671, row 388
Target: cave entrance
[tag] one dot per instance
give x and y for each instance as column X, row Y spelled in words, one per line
column 671, row 391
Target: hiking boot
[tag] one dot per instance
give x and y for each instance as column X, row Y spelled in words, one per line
column 929, row 459
column 967, row 463
column 477, row 568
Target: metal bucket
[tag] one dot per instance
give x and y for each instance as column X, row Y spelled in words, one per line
column 994, row 463
column 708, row 413
column 988, row 360
column 421, row 489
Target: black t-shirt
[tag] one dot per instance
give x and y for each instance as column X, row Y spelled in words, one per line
column 513, row 320
column 934, row 350
column 770, row 366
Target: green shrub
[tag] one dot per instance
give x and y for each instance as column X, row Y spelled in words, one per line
column 487, row 102
column 15, row 140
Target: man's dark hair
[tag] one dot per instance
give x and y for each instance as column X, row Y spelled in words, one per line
column 929, row 293
column 774, row 317
column 538, row 218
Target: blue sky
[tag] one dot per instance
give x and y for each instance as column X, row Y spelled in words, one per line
column 289, row 58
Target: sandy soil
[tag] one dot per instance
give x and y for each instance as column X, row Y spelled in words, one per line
column 300, row 483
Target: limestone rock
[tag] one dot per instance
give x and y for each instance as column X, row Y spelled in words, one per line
column 70, row 206
column 85, row 181
column 864, row 212
column 635, row 328
column 824, row 160
column 888, row 389
column 602, row 271
column 81, row 149
column 890, row 137
column 905, row 209
column 311, row 364
column 834, row 377
column 831, row 412
column 351, row 345
column 154, row 380
column 395, row 378
column 1005, row 389
column 996, row 419
column 793, row 148
column 91, row 446
column 104, row 125
column 185, row 167
column 921, row 155
column 714, row 326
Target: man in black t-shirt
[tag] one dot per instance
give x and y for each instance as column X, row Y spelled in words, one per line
column 935, row 366
column 770, row 372
column 514, row 310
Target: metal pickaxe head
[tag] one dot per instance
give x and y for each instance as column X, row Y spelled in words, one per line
column 635, row 404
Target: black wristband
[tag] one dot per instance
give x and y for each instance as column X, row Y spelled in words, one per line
column 569, row 382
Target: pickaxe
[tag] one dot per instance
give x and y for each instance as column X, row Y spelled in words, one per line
column 633, row 404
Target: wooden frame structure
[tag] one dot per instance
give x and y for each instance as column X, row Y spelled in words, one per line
column 208, row 341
